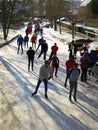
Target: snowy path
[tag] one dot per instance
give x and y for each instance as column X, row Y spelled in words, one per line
column 20, row 111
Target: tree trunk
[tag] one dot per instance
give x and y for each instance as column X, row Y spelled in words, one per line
column 55, row 25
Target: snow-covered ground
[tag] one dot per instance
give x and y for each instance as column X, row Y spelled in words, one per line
column 20, row 111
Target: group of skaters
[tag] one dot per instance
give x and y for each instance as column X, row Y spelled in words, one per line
column 88, row 60
column 23, row 41
column 47, row 70
column 88, row 64
column 51, row 65
column 53, row 59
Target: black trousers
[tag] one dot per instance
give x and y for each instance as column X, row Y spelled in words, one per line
column 30, row 62
column 84, row 74
column 20, row 45
column 44, row 53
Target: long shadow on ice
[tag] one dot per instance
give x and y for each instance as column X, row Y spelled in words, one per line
column 20, row 77
column 63, row 121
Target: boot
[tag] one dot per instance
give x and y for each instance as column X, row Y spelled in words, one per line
column 34, row 93
column 55, row 75
column 75, row 98
column 70, row 99
column 28, row 68
column 22, row 51
column 65, row 84
column 46, row 96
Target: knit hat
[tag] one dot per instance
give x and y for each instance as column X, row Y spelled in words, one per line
column 46, row 61
column 76, row 65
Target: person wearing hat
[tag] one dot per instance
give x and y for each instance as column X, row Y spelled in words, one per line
column 45, row 74
column 73, row 75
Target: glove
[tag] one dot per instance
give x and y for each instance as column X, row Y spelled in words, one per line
column 49, row 78
column 44, row 80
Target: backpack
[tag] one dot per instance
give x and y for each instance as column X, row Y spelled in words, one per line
column 85, row 62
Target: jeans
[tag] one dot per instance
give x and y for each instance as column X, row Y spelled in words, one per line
column 45, row 85
column 73, row 87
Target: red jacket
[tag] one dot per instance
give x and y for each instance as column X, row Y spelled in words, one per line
column 29, row 30
column 69, row 64
column 54, row 49
column 33, row 38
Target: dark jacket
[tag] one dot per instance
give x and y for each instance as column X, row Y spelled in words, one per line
column 30, row 54
column 85, row 61
column 44, row 47
column 41, row 41
column 26, row 38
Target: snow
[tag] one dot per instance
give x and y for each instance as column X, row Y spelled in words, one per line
column 93, row 46
column 86, row 2
column 20, row 111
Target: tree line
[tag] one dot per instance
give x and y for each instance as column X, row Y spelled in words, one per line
column 15, row 12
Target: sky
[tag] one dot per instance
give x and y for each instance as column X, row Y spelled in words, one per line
column 20, row 111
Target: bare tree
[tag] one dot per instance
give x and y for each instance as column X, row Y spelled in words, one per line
column 12, row 13
column 86, row 14
column 54, row 9
column 32, row 5
column 7, row 8
column 94, row 7
column 41, row 8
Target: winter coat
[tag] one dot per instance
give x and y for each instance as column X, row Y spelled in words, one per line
column 73, row 74
column 33, row 38
column 93, row 57
column 26, row 39
column 45, row 73
column 69, row 64
column 85, row 61
column 54, row 49
column 30, row 54
column 41, row 41
column 20, row 40
column 44, row 47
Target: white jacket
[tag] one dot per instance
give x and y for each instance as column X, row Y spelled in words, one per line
column 45, row 73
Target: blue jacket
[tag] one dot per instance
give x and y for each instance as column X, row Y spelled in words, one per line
column 41, row 41
column 20, row 40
